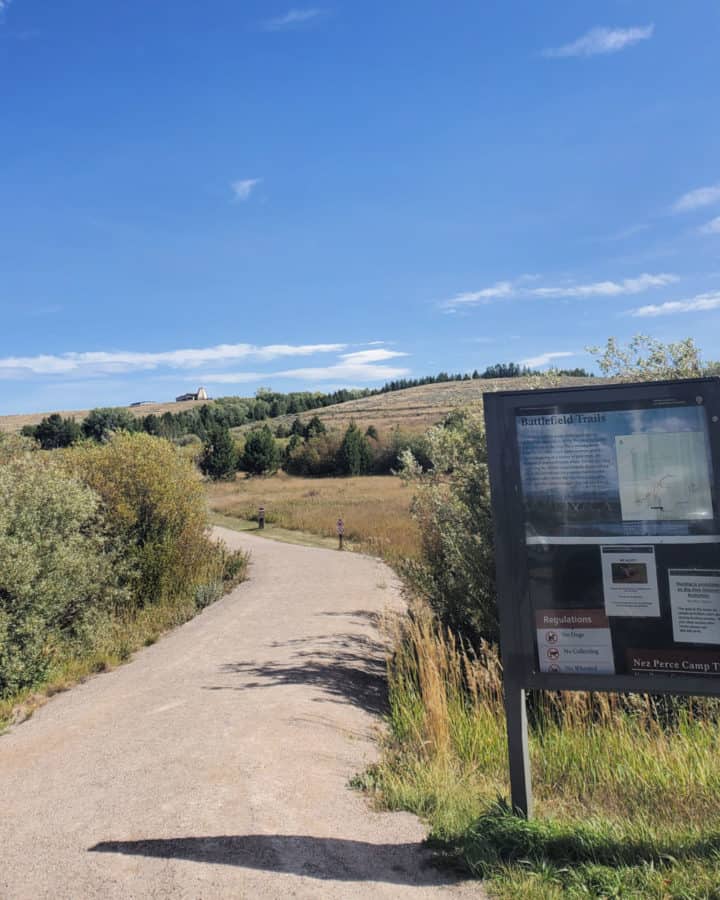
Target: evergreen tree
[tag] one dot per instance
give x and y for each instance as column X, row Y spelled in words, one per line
column 354, row 455
column 262, row 455
column 219, row 457
column 54, row 431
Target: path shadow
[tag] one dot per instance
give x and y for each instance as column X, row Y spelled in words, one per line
column 345, row 667
column 321, row 858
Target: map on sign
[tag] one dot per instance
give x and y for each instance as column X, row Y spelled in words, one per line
column 663, row 476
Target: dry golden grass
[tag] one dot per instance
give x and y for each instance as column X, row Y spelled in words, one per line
column 12, row 424
column 375, row 509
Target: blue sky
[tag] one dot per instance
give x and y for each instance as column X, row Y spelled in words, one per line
column 246, row 194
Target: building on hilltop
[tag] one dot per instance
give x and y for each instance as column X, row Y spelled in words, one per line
column 200, row 394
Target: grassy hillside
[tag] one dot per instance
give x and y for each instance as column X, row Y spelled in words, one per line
column 12, row 424
column 415, row 409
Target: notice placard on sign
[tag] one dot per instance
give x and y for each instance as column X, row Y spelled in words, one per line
column 577, row 641
column 695, row 604
column 630, row 581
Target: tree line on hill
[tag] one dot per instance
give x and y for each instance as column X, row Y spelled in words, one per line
column 55, row 431
column 311, row 451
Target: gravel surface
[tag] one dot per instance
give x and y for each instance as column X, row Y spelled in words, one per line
column 216, row 763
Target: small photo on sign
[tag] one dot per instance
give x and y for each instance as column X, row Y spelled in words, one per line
column 629, row 573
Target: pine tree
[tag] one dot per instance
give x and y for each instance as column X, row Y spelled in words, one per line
column 219, row 457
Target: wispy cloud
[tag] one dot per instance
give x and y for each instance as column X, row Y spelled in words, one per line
column 637, row 285
column 544, row 358
column 699, row 303
column 4, row 5
column 360, row 367
column 472, row 298
column 243, row 188
column 292, row 19
column 600, row 40
column 704, row 196
column 107, row 363
column 711, row 227
column 519, row 287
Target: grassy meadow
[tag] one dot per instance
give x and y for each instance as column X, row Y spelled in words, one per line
column 375, row 509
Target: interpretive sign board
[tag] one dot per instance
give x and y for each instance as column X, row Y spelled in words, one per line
column 607, row 529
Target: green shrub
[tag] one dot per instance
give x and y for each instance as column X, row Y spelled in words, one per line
column 456, row 572
column 154, row 504
column 315, row 457
column 58, row 574
column 101, row 424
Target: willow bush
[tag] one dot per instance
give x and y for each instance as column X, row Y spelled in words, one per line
column 60, row 575
column 155, row 506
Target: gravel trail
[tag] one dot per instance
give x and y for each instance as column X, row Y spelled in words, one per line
column 216, row 763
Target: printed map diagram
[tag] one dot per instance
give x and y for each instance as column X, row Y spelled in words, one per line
column 663, row 475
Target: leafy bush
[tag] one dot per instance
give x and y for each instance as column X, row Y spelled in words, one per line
column 101, row 424
column 58, row 573
column 155, row 505
column 315, row 457
column 13, row 446
column 456, row 573
column 647, row 359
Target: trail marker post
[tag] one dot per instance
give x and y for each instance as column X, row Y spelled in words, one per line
column 261, row 517
column 606, row 507
column 340, row 533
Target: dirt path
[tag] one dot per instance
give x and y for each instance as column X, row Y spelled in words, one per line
column 215, row 764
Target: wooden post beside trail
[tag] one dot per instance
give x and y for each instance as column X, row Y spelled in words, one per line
column 261, row 517
column 340, row 533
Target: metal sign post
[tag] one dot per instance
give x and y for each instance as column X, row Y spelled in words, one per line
column 607, row 542
column 340, row 533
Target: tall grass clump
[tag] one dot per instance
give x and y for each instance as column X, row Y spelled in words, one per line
column 628, row 797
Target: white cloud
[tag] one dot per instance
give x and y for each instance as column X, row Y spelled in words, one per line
column 4, row 5
column 711, row 227
column 637, row 285
column 106, row 363
column 243, row 188
column 704, row 196
column 699, row 303
column 544, row 358
column 602, row 40
column 292, row 19
column 362, row 357
column 360, row 366
column 519, row 288
column 472, row 298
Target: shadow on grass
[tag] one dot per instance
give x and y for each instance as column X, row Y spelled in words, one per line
column 332, row 859
column 345, row 667
column 499, row 838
